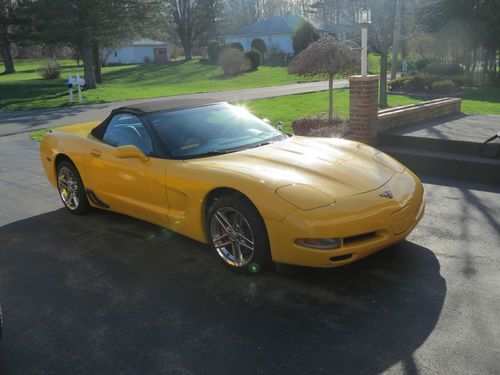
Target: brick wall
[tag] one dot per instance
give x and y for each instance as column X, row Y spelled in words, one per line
column 416, row 113
column 363, row 109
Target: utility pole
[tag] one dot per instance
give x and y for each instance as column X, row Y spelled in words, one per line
column 397, row 40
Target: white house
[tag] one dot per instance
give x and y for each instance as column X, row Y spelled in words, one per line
column 277, row 32
column 140, row 51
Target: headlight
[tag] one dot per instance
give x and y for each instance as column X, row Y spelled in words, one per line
column 319, row 243
column 304, row 197
column 389, row 162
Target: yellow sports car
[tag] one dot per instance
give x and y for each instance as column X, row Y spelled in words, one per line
column 215, row 173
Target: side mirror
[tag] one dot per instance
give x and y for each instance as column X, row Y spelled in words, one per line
column 129, row 152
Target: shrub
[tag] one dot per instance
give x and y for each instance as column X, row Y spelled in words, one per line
column 146, row 59
column 236, row 45
column 445, row 86
column 51, row 69
column 255, row 58
column 213, row 51
column 259, row 45
column 444, row 69
column 461, row 80
column 304, row 36
column 319, row 126
column 421, row 64
column 400, row 83
column 232, row 61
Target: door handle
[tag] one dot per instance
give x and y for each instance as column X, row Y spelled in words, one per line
column 95, row 153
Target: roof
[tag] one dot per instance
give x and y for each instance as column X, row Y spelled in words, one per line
column 147, row 42
column 170, row 104
column 277, row 24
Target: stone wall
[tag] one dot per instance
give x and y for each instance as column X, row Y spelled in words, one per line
column 416, row 113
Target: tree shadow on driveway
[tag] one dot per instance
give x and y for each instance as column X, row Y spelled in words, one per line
column 104, row 293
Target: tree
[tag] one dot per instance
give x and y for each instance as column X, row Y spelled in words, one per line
column 326, row 57
column 192, row 20
column 13, row 21
column 259, row 45
column 467, row 33
column 382, row 33
column 304, row 36
column 90, row 25
column 396, row 41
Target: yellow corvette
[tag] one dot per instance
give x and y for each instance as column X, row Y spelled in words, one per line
column 215, row 173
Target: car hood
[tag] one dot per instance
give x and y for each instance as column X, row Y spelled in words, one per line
column 336, row 167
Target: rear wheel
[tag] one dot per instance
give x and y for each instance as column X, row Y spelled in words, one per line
column 238, row 235
column 71, row 188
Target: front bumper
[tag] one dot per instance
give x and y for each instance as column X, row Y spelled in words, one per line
column 365, row 223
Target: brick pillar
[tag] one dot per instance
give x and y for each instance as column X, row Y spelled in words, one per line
column 363, row 109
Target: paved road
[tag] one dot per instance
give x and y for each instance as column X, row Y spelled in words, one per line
column 14, row 121
column 105, row 293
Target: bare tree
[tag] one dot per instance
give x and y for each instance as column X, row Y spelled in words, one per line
column 192, row 19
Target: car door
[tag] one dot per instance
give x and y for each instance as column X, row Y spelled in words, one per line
column 131, row 186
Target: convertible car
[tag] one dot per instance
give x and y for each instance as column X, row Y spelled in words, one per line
column 215, row 173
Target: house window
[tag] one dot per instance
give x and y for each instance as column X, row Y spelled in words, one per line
column 270, row 38
column 116, row 54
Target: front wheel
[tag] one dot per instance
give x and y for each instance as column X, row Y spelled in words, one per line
column 238, row 235
column 71, row 188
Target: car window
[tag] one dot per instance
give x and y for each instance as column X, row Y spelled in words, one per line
column 125, row 129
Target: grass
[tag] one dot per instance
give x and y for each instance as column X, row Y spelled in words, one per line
column 481, row 100
column 27, row 90
column 289, row 108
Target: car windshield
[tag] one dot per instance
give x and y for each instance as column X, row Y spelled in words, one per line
column 211, row 130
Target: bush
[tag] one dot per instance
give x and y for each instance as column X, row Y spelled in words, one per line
column 213, row 51
column 445, row 86
column 255, row 58
column 259, row 45
column 444, row 69
column 400, row 83
column 421, row 64
column 236, row 45
column 460, row 80
column 232, row 61
column 319, row 126
column 51, row 69
column 304, row 36
column 146, row 59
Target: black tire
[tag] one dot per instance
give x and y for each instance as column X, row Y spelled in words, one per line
column 83, row 205
column 260, row 259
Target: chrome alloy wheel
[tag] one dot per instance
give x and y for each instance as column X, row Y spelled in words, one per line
column 68, row 188
column 232, row 236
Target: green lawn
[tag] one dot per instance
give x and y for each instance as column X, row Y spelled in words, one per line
column 481, row 100
column 289, row 108
column 26, row 89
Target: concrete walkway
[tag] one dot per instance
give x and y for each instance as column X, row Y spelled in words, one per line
column 462, row 127
column 21, row 121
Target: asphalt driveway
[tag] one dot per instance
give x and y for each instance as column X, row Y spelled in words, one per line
column 105, row 293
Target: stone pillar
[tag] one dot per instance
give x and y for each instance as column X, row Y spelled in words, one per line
column 363, row 109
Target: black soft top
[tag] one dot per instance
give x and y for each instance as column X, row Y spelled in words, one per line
column 172, row 104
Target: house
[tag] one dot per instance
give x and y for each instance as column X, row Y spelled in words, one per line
column 140, row 51
column 277, row 32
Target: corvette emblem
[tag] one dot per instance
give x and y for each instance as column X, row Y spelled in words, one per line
column 387, row 194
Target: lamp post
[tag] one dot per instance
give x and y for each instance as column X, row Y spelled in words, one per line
column 364, row 18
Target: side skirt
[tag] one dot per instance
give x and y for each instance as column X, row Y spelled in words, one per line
column 95, row 200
